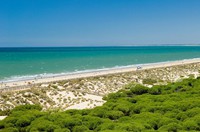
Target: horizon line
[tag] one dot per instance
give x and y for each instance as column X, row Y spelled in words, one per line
column 101, row 45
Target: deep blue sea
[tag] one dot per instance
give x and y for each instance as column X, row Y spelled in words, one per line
column 19, row 63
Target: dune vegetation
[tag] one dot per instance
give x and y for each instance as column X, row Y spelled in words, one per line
column 172, row 107
column 88, row 92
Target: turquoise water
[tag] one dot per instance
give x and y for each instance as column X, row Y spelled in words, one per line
column 18, row 63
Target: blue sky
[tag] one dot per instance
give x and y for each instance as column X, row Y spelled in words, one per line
column 98, row 22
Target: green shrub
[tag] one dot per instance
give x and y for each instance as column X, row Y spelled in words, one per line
column 10, row 129
column 42, row 125
column 23, row 121
column 55, row 86
column 114, row 96
column 130, row 127
column 181, row 116
column 11, row 120
column 139, row 89
column 149, row 81
column 171, row 127
column 123, row 107
column 125, row 119
column 4, row 113
column 91, row 122
column 73, row 112
column 155, row 90
column 62, row 130
column 106, row 126
column 193, row 112
column 174, row 107
column 81, row 128
column 27, row 107
column 189, row 125
column 99, row 112
column 113, row 115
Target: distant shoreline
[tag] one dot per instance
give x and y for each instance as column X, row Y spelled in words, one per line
column 93, row 73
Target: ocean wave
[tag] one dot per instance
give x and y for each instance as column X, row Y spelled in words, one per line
column 48, row 75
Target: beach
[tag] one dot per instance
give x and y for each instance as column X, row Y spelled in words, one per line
column 86, row 90
column 95, row 73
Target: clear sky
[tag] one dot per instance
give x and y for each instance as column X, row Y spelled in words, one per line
column 98, row 22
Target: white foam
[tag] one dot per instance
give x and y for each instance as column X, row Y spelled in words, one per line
column 47, row 75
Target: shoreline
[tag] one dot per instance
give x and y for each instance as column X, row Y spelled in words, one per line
column 53, row 75
column 94, row 73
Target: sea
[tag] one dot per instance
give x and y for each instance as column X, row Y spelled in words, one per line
column 35, row 62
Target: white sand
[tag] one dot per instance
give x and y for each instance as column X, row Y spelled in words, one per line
column 2, row 117
column 96, row 73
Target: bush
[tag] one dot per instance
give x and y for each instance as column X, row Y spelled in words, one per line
column 73, row 112
column 114, row 96
column 11, row 120
column 124, row 106
column 189, row 125
column 99, row 112
column 91, row 122
column 106, row 126
column 113, row 115
column 149, row 81
column 71, row 122
column 137, row 108
column 27, row 107
column 81, row 128
column 181, row 116
column 130, row 127
column 4, row 113
column 23, row 121
column 42, row 125
column 10, row 129
column 155, row 90
column 193, row 112
column 62, row 130
column 139, row 89
column 171, row 127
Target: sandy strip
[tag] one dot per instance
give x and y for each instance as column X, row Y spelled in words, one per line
column 97, row 73
column 2, row 117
